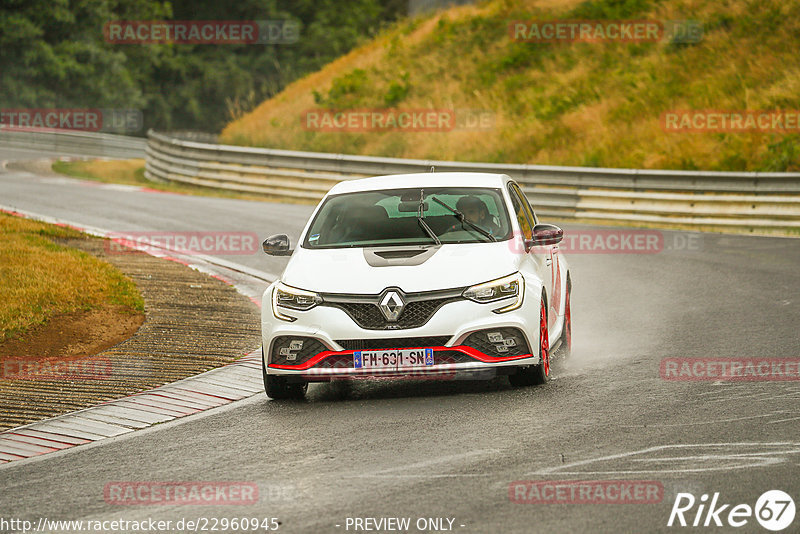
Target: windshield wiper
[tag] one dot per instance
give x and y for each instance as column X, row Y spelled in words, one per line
column 464, row 220
column 421, row 218
column 428, row 230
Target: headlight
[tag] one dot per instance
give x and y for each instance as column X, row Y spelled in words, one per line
column 291, row 298
column 502, row 288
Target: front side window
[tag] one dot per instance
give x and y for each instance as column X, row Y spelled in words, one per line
column 522, row 213
column 391, row 217
column 526, row 203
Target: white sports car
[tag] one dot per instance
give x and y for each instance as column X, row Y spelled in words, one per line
column 432, row 275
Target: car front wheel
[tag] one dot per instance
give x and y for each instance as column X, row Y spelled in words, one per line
column 278, row 387
column 536, row 374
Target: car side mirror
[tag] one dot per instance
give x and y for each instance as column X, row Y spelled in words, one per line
column 277, row 245
column 547, row 234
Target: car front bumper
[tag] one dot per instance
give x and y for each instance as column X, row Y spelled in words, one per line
column 455, row 353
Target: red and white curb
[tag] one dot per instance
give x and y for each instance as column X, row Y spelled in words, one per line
column 236, row 381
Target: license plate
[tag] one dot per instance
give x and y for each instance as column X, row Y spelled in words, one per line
column 374, row 359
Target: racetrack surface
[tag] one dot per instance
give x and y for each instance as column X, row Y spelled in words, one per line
column 451, row 449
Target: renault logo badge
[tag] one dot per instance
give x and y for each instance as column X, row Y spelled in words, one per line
column 392, row 305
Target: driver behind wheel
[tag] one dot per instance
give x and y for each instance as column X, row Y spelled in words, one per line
column 476, row 211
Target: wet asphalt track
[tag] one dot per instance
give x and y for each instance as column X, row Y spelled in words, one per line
column 451, row 449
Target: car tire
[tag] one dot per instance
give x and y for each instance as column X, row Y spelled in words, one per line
column 278, row 388
column 565, row 349
column 536, row 374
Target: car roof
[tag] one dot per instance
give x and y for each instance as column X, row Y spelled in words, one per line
column 422, row 179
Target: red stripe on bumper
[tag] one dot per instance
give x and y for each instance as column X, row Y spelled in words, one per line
column 469, row 351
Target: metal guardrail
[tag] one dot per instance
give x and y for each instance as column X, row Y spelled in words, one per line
column 757, row 202
column 77, row 143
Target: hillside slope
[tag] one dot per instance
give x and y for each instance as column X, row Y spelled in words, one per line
column 563, row 103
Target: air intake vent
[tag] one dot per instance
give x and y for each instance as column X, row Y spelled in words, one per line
column 393, row 343
column 395, row 254
column 412, row 255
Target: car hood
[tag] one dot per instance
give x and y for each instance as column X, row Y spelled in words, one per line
column 347, row 270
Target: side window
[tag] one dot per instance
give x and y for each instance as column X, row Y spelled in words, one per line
column 529, row 208
column 522, row 212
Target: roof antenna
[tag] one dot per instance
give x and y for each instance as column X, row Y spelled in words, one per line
column 433, row 169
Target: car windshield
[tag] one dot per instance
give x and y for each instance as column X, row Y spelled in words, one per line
column 391, row 217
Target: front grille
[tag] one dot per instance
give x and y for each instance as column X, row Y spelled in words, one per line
column 418, row 308
column 451, row 356
column 480, row 341
column 309, row 348
column 393, row 343
column 339, row 361
column 369, row 316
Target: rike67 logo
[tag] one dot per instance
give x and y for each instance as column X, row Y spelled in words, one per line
column 774, row 510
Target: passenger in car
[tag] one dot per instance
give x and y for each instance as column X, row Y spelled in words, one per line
column 365, row 224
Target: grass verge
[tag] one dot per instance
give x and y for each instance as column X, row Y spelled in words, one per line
column 40, row 278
